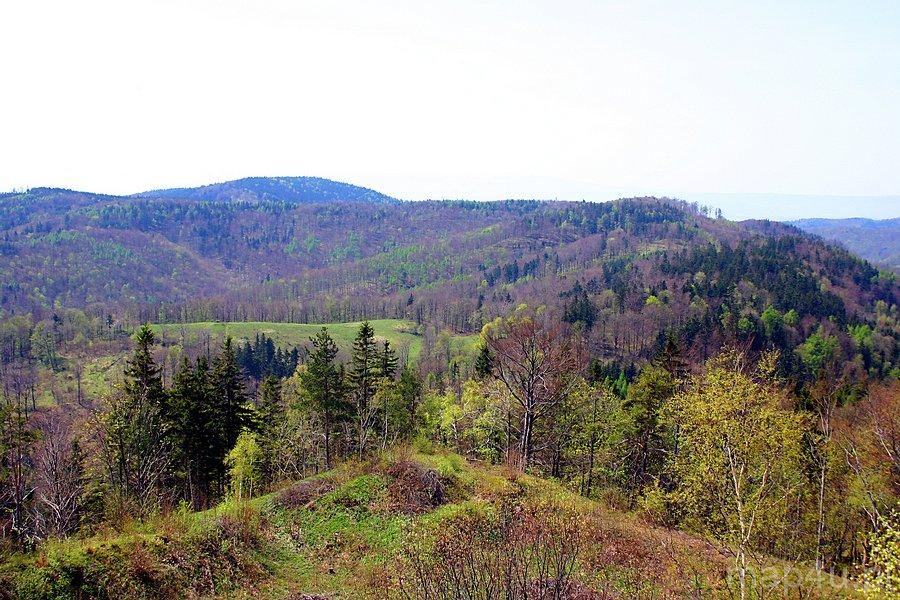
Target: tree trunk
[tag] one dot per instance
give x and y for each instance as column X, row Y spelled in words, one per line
column 525, row 445
column 327, row 446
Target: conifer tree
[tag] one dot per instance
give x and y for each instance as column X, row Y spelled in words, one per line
column 323, row 383
column 231, row 412
column 190, row 429
column 270, row 413
column 387, row 361
column 270, row 406
column 142, row 375
column 209, row 454
column 363, row 375
column 134, row 447
column 484, row 362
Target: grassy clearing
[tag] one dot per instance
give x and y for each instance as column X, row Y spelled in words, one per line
column 403, row 335
column 102, row 368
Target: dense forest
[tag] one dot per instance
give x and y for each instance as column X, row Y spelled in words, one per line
column 583, row 373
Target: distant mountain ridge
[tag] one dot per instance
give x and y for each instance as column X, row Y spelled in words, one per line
column 293, row 190
column 875, row 240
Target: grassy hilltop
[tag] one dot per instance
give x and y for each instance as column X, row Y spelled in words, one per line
column 398, row 524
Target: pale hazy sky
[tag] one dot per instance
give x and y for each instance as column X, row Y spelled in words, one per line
column 477, row 98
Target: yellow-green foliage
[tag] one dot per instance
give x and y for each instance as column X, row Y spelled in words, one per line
column 344, row 534
column 740, row 458
column 243, row 463
column 882, row 581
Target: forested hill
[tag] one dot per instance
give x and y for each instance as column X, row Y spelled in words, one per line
column 877, row 241
column 292, row 190
column 627, row 272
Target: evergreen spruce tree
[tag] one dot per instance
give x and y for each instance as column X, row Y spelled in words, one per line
column 232, row 414
column 484, row 362
column 270, row 405
column 135, row 449
column 387, row 361
column 188, row 429
column 142, row 375
column 324, row 385
column 270, row 413
column 209, row 448
column 364, row 371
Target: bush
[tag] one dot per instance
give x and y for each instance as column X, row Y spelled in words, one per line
column 303, row 494
column 521, row 551
column 414, row 489
column 206, row 558
column 883, row 580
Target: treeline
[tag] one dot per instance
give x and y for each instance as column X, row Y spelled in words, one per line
column 261, row 358
column 630, row 272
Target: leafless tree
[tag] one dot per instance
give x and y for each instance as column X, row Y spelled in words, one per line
column 59, row 478
column 535, row 361
column 16, row 441
column 133, row 450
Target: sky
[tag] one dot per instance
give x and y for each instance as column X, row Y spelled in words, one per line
column 765, row 108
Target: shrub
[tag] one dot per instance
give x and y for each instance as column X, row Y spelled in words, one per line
column 883, row 580
column 414, row 489
column 213, row 556
column 521, row 551
column 303, row 494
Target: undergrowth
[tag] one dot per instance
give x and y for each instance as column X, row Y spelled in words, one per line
column 404, row 525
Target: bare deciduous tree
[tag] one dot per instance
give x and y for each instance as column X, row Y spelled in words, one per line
column 59, row 478
column 133, row 450
column 535, row 361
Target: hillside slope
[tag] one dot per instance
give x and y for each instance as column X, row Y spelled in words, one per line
column 393, row 527
column 876, row 241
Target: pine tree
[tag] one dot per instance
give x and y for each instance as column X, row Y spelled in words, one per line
column 363, row 374
column 232, row 413
column 191, row 430
column 209, row 451
column 388, row 361
column 142, row 375
column 323, row 383
column 270, row 414
column 270, row 406
column 135, row 448
column 484, row 362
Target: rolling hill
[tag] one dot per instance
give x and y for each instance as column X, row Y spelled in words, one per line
column 875, row 240
column 293, row 190
column 630, row 271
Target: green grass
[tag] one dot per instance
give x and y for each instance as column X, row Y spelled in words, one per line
column 100, row 373
column 402, row 335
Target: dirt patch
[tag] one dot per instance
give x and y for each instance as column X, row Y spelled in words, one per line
column 413, row 489
column 305, row 493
